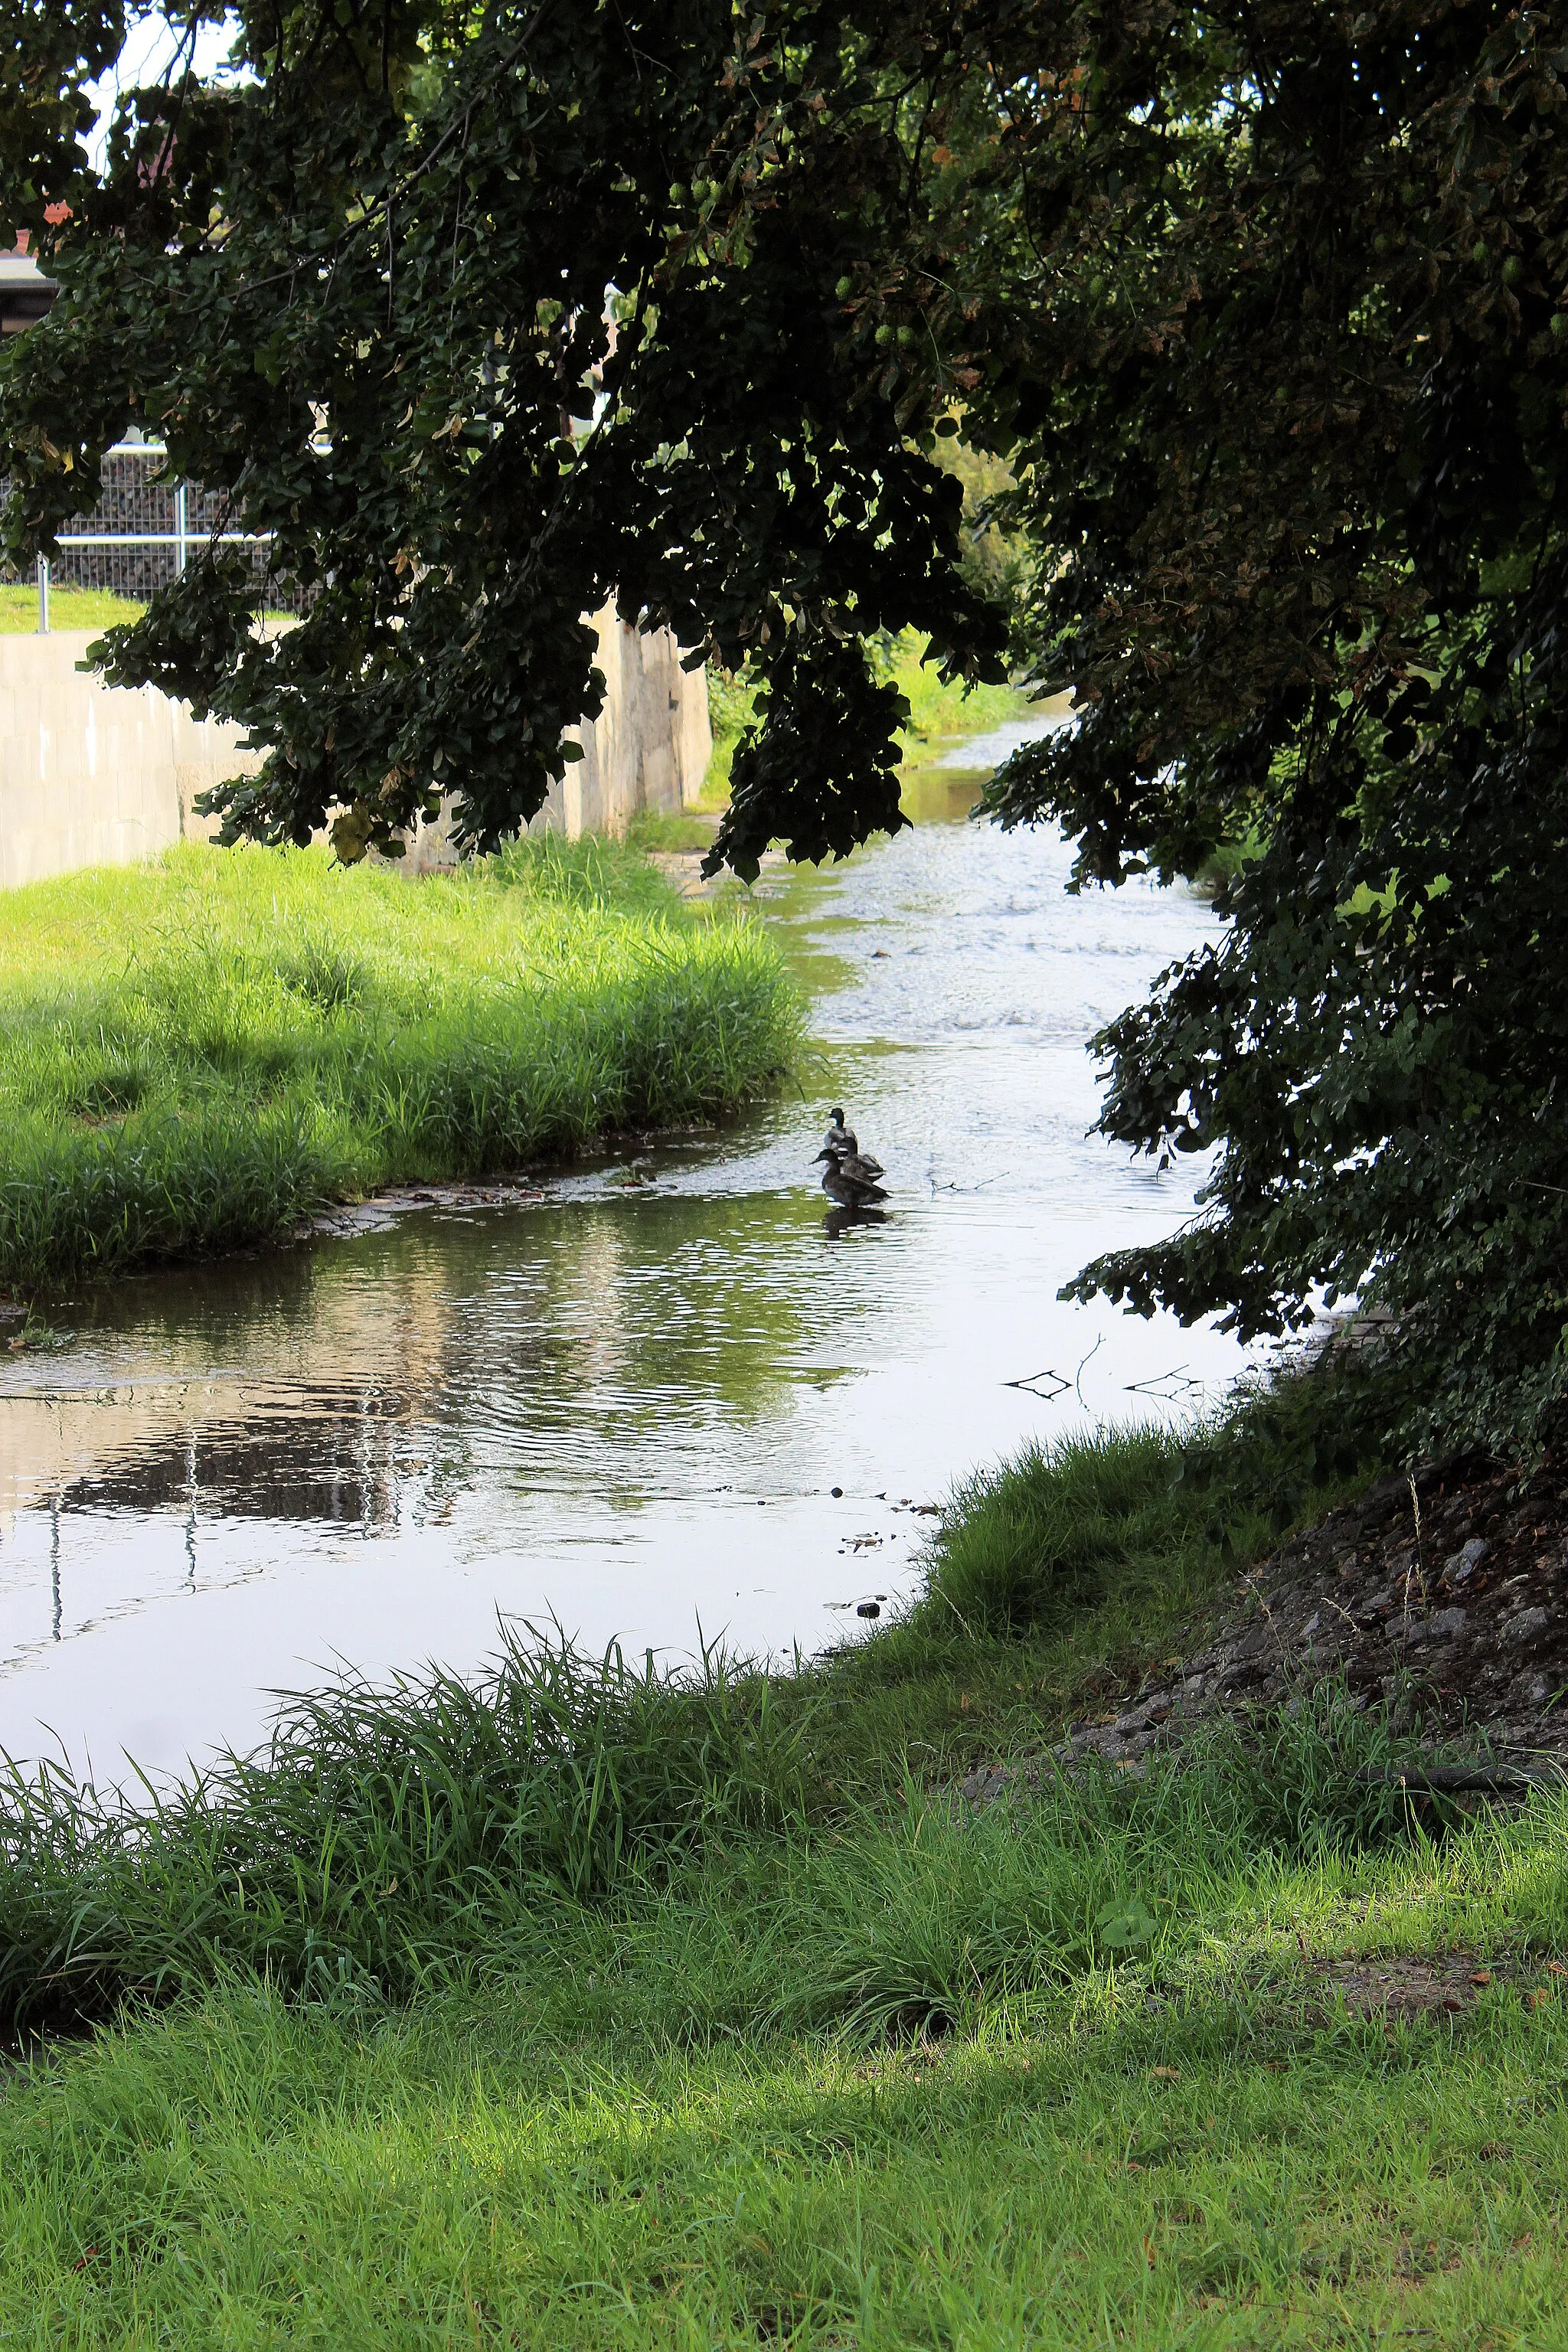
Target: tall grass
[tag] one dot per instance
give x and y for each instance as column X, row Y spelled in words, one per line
column 387, row 1836
column 1143, row 1514
column 195, row 1054
column 580, row 1815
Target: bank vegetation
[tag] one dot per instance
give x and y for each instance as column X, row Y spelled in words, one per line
column 582, row 2003
column 199, row 1054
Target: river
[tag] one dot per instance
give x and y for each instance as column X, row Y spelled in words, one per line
column 661, row 1400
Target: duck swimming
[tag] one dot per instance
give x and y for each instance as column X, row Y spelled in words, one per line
column 851, row 1176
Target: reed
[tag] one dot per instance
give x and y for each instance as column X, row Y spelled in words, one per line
column 194, row 1056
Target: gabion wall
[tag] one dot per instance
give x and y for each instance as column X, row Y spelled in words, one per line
column 138, row 517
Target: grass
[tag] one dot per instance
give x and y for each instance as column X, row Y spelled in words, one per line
column 245, row 2174
column 69, row 608
column 671, row 829
column 592, row 2008
column 195, row 1054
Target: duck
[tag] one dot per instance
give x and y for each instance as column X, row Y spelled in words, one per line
column 850, row 1178
column 842, row 1144
column 839, row 1142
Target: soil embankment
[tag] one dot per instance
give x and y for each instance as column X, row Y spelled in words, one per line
column 1441, row 1598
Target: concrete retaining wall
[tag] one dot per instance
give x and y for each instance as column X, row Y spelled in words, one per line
column 87, row 776
column 98, row 775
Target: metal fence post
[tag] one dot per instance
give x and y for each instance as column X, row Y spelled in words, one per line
column 42, row 595
column 179, row 530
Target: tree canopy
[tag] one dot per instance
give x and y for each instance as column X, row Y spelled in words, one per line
column 485, row 317
column 1294, row 407
column 488, row 313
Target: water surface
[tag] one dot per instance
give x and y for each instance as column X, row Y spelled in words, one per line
column 624, row 1404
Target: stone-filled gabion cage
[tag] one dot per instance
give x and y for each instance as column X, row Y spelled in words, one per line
column 144, row 530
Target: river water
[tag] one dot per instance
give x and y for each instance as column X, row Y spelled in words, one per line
column 624, row 1405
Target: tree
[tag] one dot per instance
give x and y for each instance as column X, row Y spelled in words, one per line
column 485, row 317
column 1293, row 404
column 1264, row 306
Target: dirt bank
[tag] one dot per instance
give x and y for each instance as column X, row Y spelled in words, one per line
column 1443, row 1598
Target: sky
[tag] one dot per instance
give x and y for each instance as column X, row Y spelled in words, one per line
column 150, row 50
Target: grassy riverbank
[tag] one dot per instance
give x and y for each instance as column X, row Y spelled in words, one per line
column 655, row 2014
column 195, row 1054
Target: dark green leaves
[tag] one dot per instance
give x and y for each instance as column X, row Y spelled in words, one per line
column 486, row 320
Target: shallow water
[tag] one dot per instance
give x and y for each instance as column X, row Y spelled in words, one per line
column 624, row 1404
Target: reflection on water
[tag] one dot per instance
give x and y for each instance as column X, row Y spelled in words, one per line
column 626, row 1403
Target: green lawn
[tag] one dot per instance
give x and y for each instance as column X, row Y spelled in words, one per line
column 1209, row 2173
column 69, row 608
column 587, row 2009
column 195, row 1054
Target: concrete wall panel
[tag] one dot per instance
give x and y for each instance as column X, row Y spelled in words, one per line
column 99, row 775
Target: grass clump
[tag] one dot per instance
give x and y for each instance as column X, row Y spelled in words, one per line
column 1060, row 1574
column 194, row 1056
column 1143, row 1514
column 386, row 1836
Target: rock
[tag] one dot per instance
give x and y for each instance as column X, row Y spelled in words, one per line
column 1465, row 1560
column 1439, row 1627
column 1152, row 1708
column 1527, row 1624
column 1529, row 1690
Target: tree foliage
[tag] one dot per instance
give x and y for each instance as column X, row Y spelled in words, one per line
column 486, row 318
column 1294, row 407
column 1265, row 306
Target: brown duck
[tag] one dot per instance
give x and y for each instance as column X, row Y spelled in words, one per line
column 851, row 1176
